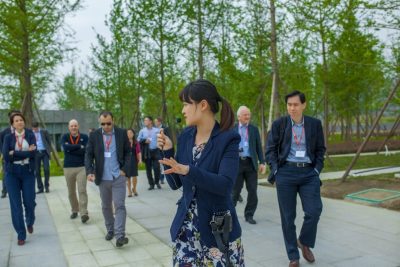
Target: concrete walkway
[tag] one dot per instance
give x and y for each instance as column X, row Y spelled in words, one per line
column 349, row 234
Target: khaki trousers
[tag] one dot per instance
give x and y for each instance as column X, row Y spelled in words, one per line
column 77, row 176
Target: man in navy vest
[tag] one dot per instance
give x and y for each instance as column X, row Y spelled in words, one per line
column 295, row 154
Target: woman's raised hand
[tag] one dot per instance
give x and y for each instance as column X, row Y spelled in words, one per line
column 163, row 141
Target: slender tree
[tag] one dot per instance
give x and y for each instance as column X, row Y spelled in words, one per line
column 31, row 46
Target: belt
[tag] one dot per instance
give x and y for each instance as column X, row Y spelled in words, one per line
column 21, row 163
column 298, row 164
column 245, row 158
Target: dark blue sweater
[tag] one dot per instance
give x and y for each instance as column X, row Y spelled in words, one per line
column 74, row 155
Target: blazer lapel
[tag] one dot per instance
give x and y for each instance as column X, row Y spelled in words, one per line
column 307, row 129
column 209, row 145
column 288, row 131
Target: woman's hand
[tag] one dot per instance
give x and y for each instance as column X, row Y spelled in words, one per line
column 163, row 141
column 32, row 147
column 175, row 166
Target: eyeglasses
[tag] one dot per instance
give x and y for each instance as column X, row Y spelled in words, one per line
column 106, row 123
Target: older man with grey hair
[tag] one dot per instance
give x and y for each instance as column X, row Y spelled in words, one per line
column 74, row 146
column 250, row 154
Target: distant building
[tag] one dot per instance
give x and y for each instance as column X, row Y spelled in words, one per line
column 56, row 121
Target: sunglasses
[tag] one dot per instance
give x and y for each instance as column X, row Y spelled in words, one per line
column 106, row 123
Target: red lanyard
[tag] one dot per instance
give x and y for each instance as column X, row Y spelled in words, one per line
column 76, row 140
column 246, row 137
column 108, row 143
column 295, row 136
column 18, row 143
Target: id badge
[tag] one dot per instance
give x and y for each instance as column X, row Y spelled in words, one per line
column 300, row 154
column 107, row 154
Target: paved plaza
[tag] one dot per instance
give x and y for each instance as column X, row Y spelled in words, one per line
column 349, row 234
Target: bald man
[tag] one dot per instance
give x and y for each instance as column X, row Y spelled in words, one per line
column 74, row 146
column 251, row 162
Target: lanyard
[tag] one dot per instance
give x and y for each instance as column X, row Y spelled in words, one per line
column 108, row 143
column 76, row 140
column 246, row 137
column 295, row 136
column 19, row 144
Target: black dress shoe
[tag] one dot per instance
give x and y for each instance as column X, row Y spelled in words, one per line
column 121, row 241
column 73, row 215
column 109, row 236
column 47, row 190
column 3, row 194
column 250, row 220
column 158, row 186
column 84, row 218
column 39, row 191
column 151, row 187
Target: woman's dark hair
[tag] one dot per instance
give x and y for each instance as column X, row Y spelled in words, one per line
column 199, row 90
column 134, row 134
column 296, row 93
column 14, row 115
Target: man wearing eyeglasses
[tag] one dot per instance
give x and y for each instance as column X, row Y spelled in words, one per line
column 106, row 160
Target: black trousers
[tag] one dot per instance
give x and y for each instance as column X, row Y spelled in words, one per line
column 249, row 175
column 4, row 189
column 152, row 164
column 42, row 156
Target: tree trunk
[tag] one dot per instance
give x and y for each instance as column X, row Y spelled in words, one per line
column 26, row 80
column 200, row 59
column 162, row 73
column 274, row 106
column 326, row 90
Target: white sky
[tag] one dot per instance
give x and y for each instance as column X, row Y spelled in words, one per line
column 88, row 21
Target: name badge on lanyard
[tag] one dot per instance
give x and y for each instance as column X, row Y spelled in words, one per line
column 299, row 153
column 107, row 153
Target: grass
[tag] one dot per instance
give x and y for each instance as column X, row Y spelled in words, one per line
column 363, row 162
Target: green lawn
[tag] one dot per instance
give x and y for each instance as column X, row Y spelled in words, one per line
column 341, row 163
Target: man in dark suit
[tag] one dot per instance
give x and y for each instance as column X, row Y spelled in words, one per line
column 43, row 153
column 250, row 154
column 106, row 160
column 3, row 134
column 295, row 154
column 147, row 139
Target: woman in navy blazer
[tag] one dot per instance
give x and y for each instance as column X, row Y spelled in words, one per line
column 19, row 155
column 205, row 166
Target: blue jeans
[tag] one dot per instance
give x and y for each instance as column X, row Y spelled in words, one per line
column 21, row 180
column 291, row 181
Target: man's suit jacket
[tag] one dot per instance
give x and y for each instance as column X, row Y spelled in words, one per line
column 44, row 134
column 210, row 180
column 255, row 147
column 94, row 157
column 277, row 154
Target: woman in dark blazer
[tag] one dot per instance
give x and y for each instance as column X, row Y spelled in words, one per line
column 19, row 155
column 205, row 166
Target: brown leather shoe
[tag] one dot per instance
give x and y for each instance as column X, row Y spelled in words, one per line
column 307, row 253
column 294, row 263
